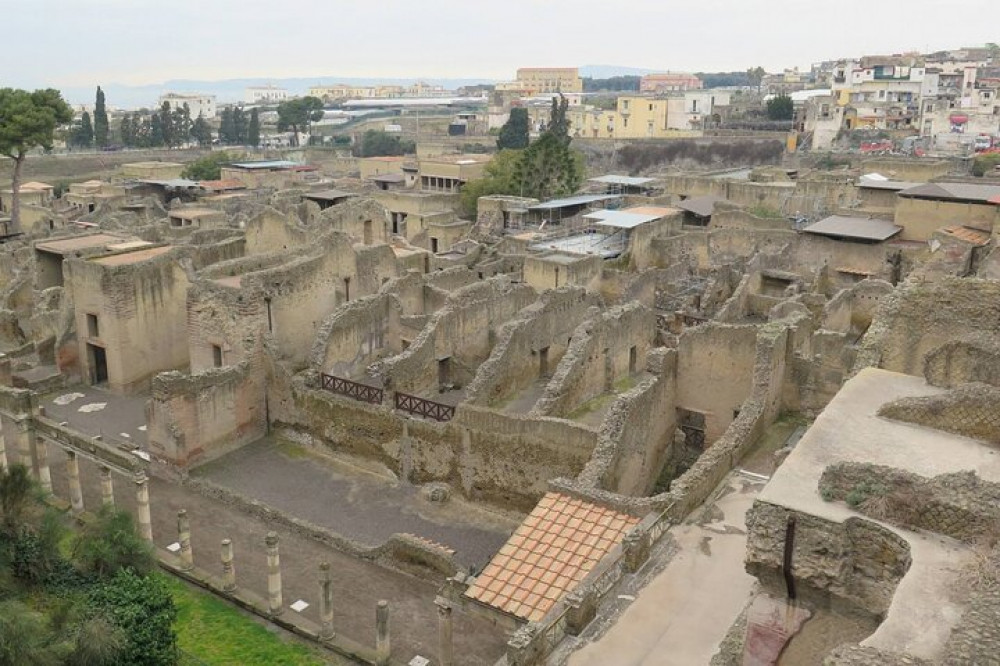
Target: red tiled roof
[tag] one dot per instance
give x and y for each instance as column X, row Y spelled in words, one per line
column 974, row 236
column 555, row 548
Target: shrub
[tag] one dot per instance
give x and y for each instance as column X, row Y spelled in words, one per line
column 142, row 608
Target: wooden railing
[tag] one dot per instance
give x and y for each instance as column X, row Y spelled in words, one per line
column 360, row 392
column 423, row 407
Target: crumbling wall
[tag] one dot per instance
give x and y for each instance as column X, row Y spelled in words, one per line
column 635, row 439
column 364, row 220
column 504, row 459
column 972, row 358
column 194, row 418
column 271, row 231
column 542, row 328
column 856, row 561
column 970, row 410
column 357, row 334
column 918, row 318
column 463, row 331
column 599, row 354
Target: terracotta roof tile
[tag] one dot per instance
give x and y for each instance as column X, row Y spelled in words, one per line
column 974, row 236
column 553, row 549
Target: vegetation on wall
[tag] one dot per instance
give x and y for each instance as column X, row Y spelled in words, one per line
column 208, row 167
column 376, row 143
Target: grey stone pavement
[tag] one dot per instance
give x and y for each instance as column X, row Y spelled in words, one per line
column 355, row 503
column 93, row 411
column 357, row 585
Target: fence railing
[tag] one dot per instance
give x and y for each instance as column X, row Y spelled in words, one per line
column 360, row 392
column 423, row 407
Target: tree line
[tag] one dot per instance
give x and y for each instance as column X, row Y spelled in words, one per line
column 166, row 127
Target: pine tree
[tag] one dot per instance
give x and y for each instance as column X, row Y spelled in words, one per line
column 201, row 132
column 156, row 135
column 239, row 126
column 166, row 116
column 514, row 133
column 226, row 127
column 85, row 134
column 548, row 168
column 100, row 120
column 253, row 129
column 126, row 131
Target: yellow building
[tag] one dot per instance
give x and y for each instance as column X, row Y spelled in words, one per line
column 535, row 80
column 634, row 117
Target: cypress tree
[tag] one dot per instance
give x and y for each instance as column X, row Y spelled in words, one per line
column 100, row 120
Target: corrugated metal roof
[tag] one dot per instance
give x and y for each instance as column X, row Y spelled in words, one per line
column 860, row 228
column 620, row 219
column 329, row 195
column 622, row 180
column 172, row 182
column 701, row 206
column 569, row 202
column 266, row 164
column 968, row 192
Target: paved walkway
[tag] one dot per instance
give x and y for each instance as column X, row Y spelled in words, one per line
column 358, row 504
column 357, row 585
column 94, row 411
column 682, row 615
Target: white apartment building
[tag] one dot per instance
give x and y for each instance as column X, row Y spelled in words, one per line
column 265, row 95
column 199, row 104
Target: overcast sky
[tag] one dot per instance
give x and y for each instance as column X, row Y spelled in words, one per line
column 86, row 42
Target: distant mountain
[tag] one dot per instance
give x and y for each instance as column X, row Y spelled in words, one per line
column 607, row 71
column 233, row 90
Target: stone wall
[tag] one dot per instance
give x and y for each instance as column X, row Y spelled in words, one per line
column 541, row 330
column 970, row 410
column 505, row 459
column 856, row 561
column 715, row 364
column 637, row 435
column 194, row 418
column 918, row 318
column 599, row 355
column 959, row 505
column 463, row 332
column 971, row 358
column 357, row 334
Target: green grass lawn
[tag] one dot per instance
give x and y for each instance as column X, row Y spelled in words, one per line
column 216, row 633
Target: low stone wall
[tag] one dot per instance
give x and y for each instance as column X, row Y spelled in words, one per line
column 960, row 505
column 974, row 358
column 855, row 655
column 402, row 552
column 505, row 459
column 971, row 410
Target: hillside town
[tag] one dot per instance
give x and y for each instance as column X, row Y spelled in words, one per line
column 666, row 368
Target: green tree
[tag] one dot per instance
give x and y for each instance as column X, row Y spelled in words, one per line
column 141, row 607
column 15, row 496
column 180, row 121
column 26, row 639
column 499, row 177
column 239, row 126
column 755, row 77
column 253, row 129
column 111, row 543
column 28, row 120
column 548, row 168
column 780, row 107
column 297, row 114
column 168, row 132
column 127, row 131
column 84, row 135
column 208, row 167
column 156, row 135
column 376, row 143
column 226, row 131
column 984, row 164
column 100, row 119
column 514, row 133
column 201, row 132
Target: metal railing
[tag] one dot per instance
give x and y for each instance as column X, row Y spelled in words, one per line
column 360, row 392
column 423, row 407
